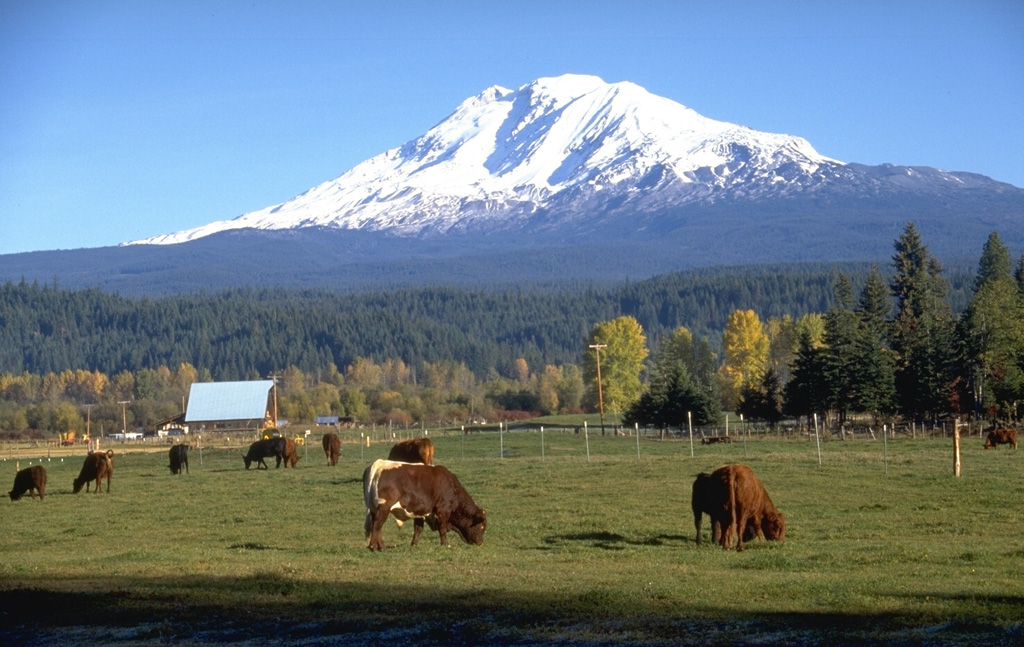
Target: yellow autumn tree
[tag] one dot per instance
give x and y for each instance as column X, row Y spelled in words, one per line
column 623, row 351
column 522, row 370
column 745, row 345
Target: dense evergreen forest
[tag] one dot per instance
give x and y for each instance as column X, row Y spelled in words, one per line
column 244, row 333
column 910, row 341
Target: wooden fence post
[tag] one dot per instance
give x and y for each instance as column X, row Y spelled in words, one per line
column 956, row 449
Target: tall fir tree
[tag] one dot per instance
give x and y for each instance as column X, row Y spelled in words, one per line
column 922, row 330
column 807, row 392
column 840, row 350
column 682, row 385
column 990, row 333
column 874, row 379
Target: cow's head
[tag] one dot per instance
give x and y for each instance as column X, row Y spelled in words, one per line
column 472, row 530
column 774, row 526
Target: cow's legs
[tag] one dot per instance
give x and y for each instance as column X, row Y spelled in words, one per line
column 380, row 515
column 442, row 529
column 417, row 528
column 740, row 528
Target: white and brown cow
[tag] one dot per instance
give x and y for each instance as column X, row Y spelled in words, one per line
column 419, row 492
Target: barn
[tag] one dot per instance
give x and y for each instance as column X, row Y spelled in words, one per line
column 230, row 406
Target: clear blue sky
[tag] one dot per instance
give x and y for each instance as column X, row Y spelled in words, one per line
column 122, row 120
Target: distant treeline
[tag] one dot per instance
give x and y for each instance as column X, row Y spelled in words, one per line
column 245, row 333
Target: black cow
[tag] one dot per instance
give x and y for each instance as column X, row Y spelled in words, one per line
column 179, row 458
column 265, row 449
column 30, row 479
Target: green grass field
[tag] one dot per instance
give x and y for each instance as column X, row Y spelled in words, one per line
column 577, row 551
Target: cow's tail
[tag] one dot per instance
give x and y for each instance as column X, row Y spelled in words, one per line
column 727, row 538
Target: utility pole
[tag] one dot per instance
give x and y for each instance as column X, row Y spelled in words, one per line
column 600, row 396
column 124, row 417
column 88, row 418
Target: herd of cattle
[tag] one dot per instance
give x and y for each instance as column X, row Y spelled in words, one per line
column 408, row 486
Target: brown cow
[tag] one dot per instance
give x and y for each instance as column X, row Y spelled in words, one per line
column 97, row 465
column 423, row 493
column 30, row 479
column 332, row 448
column 708, row 498
column 998, row 437
column 417, row 450
column 291, row 455
column 735, row 499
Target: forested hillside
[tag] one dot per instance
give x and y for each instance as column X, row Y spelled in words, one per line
column 238, row 334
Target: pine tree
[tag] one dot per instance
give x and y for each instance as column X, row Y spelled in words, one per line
column 922, row 331
column 874, row 379
column 991, row 336
column 841, row 327
column 681, row 385
column 764, row 400
column 807, row 391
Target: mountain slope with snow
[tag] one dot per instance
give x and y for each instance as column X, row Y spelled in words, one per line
column 542, row 157
column 564, row 179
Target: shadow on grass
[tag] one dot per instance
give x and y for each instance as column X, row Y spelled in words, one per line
column 614, row 541
column 275, row 609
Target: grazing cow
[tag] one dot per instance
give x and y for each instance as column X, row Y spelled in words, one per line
column 737, row 502
column 417, row 450
column 998, row 437
column 265, row 449
column 31, row 480
column 423, row 493
column 96, row 467
column 707, row 498
column 179, row 458
column 332, row 448
column 291, row 454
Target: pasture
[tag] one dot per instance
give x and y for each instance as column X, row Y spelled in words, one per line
column 577, row 551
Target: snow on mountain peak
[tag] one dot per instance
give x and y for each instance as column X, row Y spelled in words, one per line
column 503, row 155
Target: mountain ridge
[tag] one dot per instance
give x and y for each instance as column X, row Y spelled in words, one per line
column 555, row 181
column 504, row 156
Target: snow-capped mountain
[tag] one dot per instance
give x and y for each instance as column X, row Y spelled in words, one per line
column 565, row 179
column 548, row 155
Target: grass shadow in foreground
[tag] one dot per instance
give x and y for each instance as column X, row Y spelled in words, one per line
column 274, row 609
